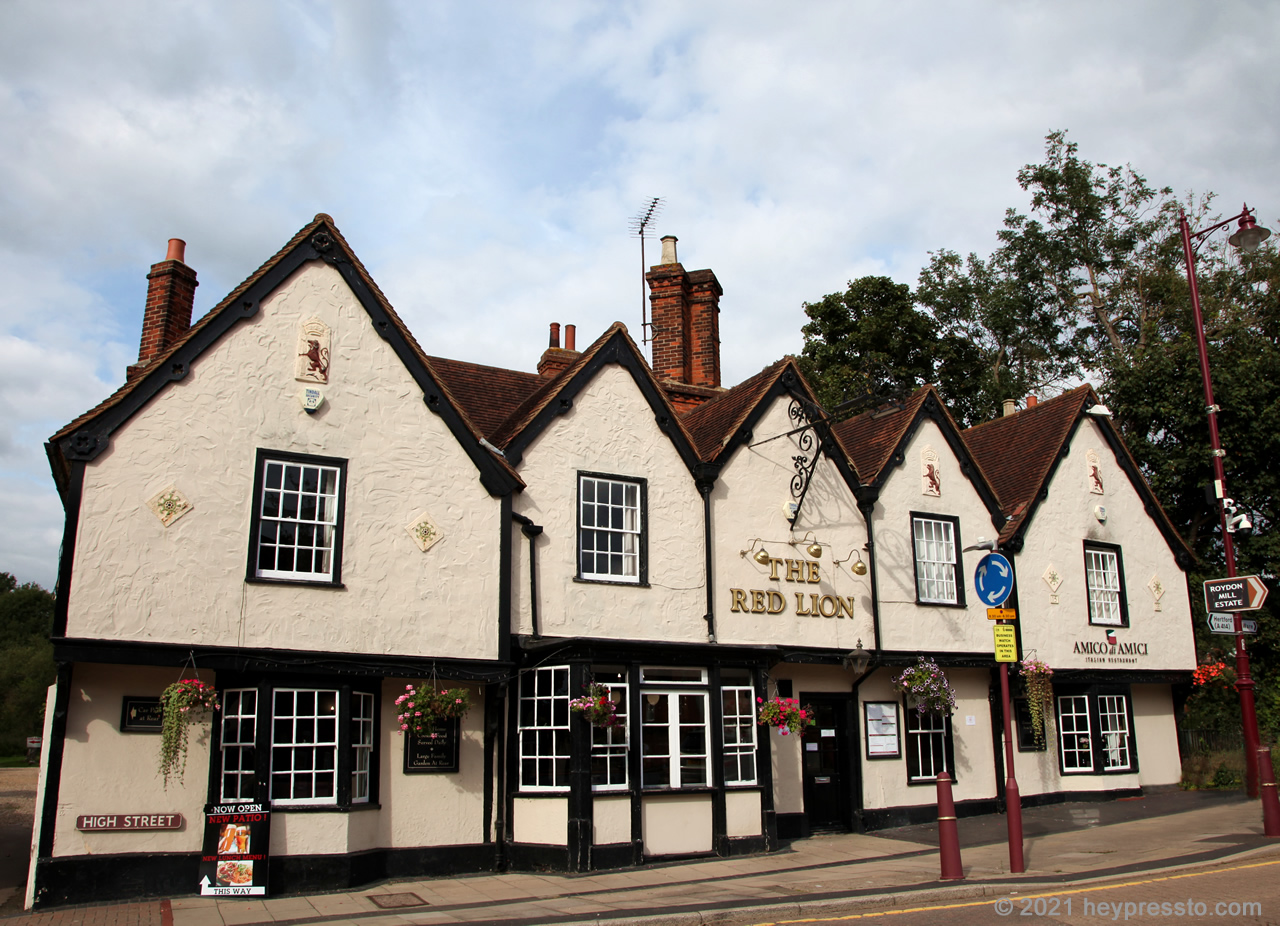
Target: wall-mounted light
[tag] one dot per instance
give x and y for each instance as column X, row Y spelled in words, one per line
column 761, row 555
column 857, row 659
column 1098, row 411
column 814, row 548
column 859, row 568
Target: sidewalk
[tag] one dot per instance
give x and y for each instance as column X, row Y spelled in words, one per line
column 1067, row 842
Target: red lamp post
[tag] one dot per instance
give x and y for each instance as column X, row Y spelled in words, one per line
column 1247, row 238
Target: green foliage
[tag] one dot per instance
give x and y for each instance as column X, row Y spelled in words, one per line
column 26, row 661
column 184, row 703
column 868, row 340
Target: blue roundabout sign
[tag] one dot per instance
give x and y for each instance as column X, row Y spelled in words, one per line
column 993, row 579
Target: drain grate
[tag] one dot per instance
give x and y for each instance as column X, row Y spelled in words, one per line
column 390, row 901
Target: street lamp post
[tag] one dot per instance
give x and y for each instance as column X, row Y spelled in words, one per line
column 1247, row 238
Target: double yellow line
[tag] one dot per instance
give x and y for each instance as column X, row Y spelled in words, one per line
column 989, row 900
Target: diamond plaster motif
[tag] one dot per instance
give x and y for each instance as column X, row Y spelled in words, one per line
column 1053, row 579
column 424, row 531
column 168, row 505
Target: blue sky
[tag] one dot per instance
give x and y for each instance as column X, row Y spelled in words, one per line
column 484, row 159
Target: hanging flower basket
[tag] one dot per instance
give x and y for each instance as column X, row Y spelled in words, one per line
column 1037, row 681
column 927, row 688
column 597, row 707
column 182, row 704
column 785, row 714
column 424, row 709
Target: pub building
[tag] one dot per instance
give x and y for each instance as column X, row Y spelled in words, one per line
column 291, row 500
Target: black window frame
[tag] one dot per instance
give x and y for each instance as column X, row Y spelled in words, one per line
column 261, row 459
column 1097, row 745
column 1115, row 548
column 954, row 521
column 642, row 569
column 909, row 753
column 264, row 724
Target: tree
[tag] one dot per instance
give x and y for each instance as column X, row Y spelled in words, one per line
column 26, row 661
column 868, row 340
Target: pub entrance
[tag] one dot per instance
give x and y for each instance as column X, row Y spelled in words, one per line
column 830, row 769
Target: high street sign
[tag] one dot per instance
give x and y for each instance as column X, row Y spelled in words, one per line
column 1242, row 593
column 1226, row 623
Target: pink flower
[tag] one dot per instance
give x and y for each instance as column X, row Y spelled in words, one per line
column 404, row 726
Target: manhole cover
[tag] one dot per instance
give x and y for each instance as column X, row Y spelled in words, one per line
column 387, row 901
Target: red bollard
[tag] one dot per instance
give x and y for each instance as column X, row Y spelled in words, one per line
column 948, row 835
column 1267, row 791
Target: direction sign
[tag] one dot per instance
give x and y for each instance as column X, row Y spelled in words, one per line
column 1226, row 623
column 1006, row 640
column 993, row 579
column 1242, row 593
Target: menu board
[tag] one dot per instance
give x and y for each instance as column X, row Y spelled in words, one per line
column 236, row 840
column 882, row 729
column 140, row 715
column 438, row 753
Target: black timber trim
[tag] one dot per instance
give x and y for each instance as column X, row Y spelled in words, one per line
column 260, row 660
column 618, row 349
column 932, row 409
column 1182, row 554
column 66, row 559
column 790, row 383
column 93, row 437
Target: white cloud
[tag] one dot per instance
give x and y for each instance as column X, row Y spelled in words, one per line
column 484, row 158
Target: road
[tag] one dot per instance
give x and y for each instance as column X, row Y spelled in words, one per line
column 1243, row 892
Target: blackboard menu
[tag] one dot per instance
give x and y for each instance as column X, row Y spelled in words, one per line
column 236, row 842
column 140, row 715
column 438, row 753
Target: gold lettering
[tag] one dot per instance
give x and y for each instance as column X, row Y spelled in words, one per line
column 773, row 568
column 777, row 604
column 739, row 598
column 822, row 606
column 795, row 570
column 813, row 606
column 846, row 605
column 801, row 610
column 813, row 572
column 757, row 601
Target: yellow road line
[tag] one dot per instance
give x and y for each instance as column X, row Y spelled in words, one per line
column 990, row 899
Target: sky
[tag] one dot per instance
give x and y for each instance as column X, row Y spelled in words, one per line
column 484, row 160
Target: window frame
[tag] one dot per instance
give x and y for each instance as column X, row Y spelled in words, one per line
column 262, row 458
column 558, row 754
column 675, row 751
column 1122, row 603
column 260, row 786
column 1093, row 696
column 642, row 535
column 742, row 746
column 612, row 742
column 1022, row 727
column 911, row 717
column 957, row 566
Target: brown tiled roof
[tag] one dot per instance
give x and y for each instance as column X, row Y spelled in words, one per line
column 321, row 220
column 488, row 394
column 869, row 439
column 713, row 422
column 1017, row 451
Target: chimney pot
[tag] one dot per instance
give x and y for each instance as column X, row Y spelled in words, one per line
column 555, row 335
column 1031, row 401
column 570, row 337
column 1010, row 407
column 177, row 250
column 669, row 249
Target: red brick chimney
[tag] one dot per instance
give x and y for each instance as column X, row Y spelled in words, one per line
column 171, row 292
column 555, row 358
column 685, row 309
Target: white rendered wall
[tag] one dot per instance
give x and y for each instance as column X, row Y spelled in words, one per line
column 904, row 624
column 543, row 820
column 611, row 430
column 747, row 503
column 676, row 824
column 1055, row 540
column 1156, row 735
column 135, row 579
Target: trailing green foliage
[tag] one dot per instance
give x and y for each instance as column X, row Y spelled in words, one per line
column 184, row 703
